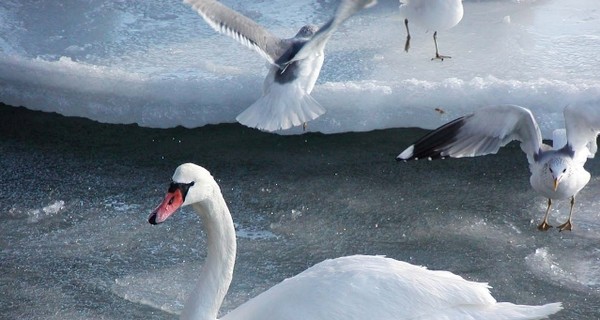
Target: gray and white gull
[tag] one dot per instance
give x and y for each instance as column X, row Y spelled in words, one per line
column 557, row 172
column 435, row 15
column 295, row 63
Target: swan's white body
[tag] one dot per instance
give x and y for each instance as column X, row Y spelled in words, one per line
column 353, row 287
column 295, row 63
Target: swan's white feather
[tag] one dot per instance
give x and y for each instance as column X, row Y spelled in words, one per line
column 344, row 288
column 375, row 287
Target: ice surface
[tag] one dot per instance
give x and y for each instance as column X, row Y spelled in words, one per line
column 157, row 64
column 580, row 275
column 308, row 197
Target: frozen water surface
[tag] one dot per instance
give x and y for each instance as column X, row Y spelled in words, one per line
column 76, row 194
column 158, row 64
column 296, row 200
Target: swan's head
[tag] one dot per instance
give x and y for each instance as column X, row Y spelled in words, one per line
column 191, row 184
column 558, row 168
column 307, row 31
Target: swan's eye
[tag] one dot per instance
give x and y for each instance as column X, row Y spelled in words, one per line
column 182, row 187
column 564, row 170
column 551, row 170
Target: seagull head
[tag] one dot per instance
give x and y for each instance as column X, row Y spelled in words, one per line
column 558, row 167
column 307, row 31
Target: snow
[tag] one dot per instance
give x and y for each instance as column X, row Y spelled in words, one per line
column 159, row 65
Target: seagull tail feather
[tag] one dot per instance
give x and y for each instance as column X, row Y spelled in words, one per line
column 282, row 107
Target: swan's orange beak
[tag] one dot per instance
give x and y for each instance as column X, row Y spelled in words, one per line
column 555, row 184
column 173, row 200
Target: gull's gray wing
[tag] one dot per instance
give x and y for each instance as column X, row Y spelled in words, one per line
column 247, row 32
column 345, row 9
column 483, row 132
column 582, row 121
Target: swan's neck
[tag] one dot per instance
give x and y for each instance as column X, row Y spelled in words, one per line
column 206, row 299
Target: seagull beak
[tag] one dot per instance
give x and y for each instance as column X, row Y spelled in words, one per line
column 173, row 200
column 555, row 184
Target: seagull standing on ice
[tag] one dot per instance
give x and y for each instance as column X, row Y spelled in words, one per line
column 556, row 172
column 433, row 15
column 295, row 62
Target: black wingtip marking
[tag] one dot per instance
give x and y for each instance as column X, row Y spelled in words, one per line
column 433, row 144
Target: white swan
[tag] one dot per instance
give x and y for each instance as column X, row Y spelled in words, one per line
column 295, row 62
column 433, row 15
column 353, row 287
column 557, row 172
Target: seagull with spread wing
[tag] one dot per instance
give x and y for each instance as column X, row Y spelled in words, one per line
column 557, row 172
column 295, row 62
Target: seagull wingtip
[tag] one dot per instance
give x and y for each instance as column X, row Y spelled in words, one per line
column 406, row 154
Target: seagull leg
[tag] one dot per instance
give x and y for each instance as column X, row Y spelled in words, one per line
column 407, row 43
column 437, row 53
column 544, row 226
column 567, row 225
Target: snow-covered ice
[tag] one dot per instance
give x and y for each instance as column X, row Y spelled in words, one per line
column 158, row 64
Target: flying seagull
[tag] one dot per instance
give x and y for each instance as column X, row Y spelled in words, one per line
column 295, row 63
column 432, row 15
column 556, row 172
